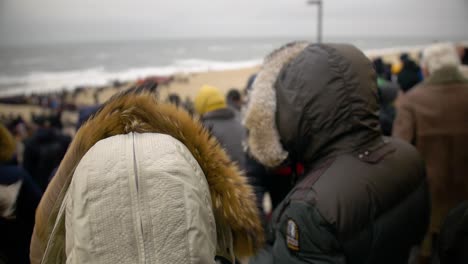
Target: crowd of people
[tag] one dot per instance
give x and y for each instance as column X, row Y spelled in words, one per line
column 364, row 162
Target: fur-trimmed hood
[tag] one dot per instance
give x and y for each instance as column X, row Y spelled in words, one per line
column 310, row 101
column 263, row 140
column 232, row 198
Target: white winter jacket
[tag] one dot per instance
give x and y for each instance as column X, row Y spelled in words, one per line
column 139, row 198
column 143, row 182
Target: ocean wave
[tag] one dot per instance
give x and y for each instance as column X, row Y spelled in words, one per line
column 35, row 82
column 219, row 48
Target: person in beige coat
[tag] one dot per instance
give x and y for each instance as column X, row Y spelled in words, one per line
column 143, row 182
column 434, row 117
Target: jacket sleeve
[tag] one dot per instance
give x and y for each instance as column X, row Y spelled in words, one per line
column 405, row 122
column 302, row 223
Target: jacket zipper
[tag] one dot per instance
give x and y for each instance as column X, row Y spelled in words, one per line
column 136, row 201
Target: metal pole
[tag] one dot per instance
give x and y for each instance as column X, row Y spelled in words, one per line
column 319, row 23
column 319, row 18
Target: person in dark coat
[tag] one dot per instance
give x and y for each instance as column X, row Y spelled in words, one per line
column 463, row 53
column 454, row 236
column 19, row 197
column 410, row 74
column 362, row 197
column 234, row 99
column 174, row 99
column 222, row 121
column 382, row 69
column 388, row 92
column 277, row 182
column 43, row 152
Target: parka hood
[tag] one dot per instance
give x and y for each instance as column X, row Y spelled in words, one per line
column 326, row 103
column 232, row 198
column 150, row 181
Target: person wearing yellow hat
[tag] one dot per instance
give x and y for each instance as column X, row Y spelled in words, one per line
column 209, row 99
column 222, row 121
column 396, row 68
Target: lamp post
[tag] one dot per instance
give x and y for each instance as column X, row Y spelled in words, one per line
column 319, row 18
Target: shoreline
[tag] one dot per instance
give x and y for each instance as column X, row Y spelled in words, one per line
column 389, row 55
column 186, row 85
column 79, row 78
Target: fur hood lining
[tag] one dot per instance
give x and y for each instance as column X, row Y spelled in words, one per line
column 263, row 138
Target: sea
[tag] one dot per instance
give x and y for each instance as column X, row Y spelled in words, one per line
column 42, row 68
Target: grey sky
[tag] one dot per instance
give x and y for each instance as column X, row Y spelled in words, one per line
column 25, row 21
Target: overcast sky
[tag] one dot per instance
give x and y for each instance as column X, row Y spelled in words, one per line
column 31, row 21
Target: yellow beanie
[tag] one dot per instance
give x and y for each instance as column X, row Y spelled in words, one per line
column 397, row 67
column 208, row 99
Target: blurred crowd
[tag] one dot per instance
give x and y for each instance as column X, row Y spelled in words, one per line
column 363, row 161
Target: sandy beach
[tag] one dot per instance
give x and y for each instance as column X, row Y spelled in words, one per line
column 186, row 85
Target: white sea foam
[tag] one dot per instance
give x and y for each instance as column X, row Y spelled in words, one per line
column 53, row 81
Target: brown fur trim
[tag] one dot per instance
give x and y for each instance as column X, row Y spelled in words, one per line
column 232, row 198
column 7, row 144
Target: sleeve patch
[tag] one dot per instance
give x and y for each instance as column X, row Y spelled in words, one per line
column 292, row 235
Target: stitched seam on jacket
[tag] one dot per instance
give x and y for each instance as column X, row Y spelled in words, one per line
column 135, row 201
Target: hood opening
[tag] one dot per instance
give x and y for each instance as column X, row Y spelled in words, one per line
column 311, row 100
